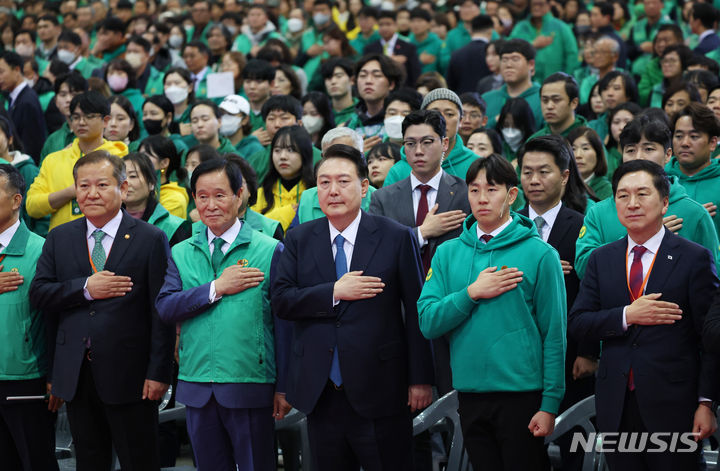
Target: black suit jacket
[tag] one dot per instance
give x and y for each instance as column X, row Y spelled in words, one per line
column 27, row 116
column 671, row 370
column 396, row 202
column 129, row 343
column 381, row 349
column 467, row 66
column 402, row 48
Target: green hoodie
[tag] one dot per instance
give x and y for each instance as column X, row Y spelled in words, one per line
column 27, row 168
column 457, row 163
column 703, row 187
column 602, row 226
column 309, row 206
column 546, row 131
column 512, row 342
column 496, row 99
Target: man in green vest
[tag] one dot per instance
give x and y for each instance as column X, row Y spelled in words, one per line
column 517, row 64
column 312, row 38
column 338, row 75
column 650, row 140
column 28, row 433
column 640, row 42
column 667, row 35
column 558, row 101
column 231, row 376
column 428, row 44
column 149, row 79
column 69, row 51
column 553, row 40
column 258, row 30
column 110, row 39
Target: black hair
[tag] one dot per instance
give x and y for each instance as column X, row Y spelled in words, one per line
column 140, row 41
column 145, row 167
column 632, row 108
column 289, row 72
column 703, row 61
column 99, row 156
column 225, row 33
column 676, row 30
column 206, row 102
column 702, row 79
column 15, row 182
column 163, row 148
column 523, row 118
column 659, row 177
column 200, row 46
column 481, row 23
column 498, row 171
column 327, row 69
column 7, row 127
column 494, row 137
column 323, row 105
column 286, row 103
column 57, row 67
column 653, row 130
column 385, row 149
column 29, row 32
column 257, row 69
column 232, row 171
column 406, row 95
column 125, row 104
column 703, row 118
column 48, row 17
column 706, row 13
column 592, row 137
column 368, row 12
column 297, row 138
column 690, row 88
column 421, row 13
column 205, row 152
column 575, row 194
column 473, row 99
column 517, row 45
column 631, row 90
column 12, row 59
column 71, row 37
column 571, row 86
column 90, row 102
column 112, row 24
column 387, row 14
column 432, row 118
column 124, row 66
column 249, row 176
column 186, row 76
column 606, row 9
column 683, row 52
column 344, row 151
column 393, row 72
column 162, row 102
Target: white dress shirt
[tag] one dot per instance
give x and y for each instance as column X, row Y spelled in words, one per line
column 110, row 229
column 494, row 233
column 652, row 245
column 199, row 76
column 389, row 45
column 350, row 235
column 228, row 238
column 16, row 91
column 431, row 196
column 549, row 216
column 7, row 235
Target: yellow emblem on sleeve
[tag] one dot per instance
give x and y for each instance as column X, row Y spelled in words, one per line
column 427, row 278
column 583, row 230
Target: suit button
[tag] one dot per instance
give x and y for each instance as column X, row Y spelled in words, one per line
column 337, row 324
column 84, row 341
column 330, row 350
column 635, row 345
column 92, row 313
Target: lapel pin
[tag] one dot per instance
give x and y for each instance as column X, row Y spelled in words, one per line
column 452, row 193
column 127, row 236
column 669, row 257
column 14, row 270
column 243, row 263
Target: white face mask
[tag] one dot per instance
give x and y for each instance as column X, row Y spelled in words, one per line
column 375, row 3
column 232, row 30
column 393, row 126
column 313, row 124
column 176, row 94
column 320, row 19
column 24, row 50
column 134, row 59
column 229, row 124
column 295, row 25
column 513, row 137
column 389, row 6
column 66, row 56
column 175, row 41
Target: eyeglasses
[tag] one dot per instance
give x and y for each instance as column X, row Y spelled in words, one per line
column 76, row 118
column 424, row 144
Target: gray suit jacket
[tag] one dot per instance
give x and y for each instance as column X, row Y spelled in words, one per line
column 395, row 201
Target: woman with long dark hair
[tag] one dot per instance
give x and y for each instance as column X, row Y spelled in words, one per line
column 291, row 173
column 318, row 116
column 590, row 159
column 166, row 161
column 516, row 123
column 141, row 201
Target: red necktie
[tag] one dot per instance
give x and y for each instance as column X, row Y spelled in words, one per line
column 419, row 219
column 635, row 281
column 486, row 237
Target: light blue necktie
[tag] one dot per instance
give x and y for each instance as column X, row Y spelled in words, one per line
column 340, row 269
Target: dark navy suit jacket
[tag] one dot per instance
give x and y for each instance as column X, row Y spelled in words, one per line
column 671, row 370
column 709, row 43
column 381, row 349
column 29, row 120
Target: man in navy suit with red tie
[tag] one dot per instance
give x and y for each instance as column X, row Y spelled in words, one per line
column 350, row 282
column 645, row 297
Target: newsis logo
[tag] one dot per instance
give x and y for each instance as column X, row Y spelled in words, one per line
column 625, row 442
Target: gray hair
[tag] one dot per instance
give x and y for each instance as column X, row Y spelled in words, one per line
column 615, row 46
column 336, row 133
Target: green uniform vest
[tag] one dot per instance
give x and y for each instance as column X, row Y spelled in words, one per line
column 165, row 221
column 232, row 341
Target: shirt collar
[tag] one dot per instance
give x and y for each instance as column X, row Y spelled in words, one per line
column 494, row 233
column 350, row 232
column 652, row 244
column 8, row 234
column 199, row 76
column 549, row 216
column 228, row 236
column 16, row 91
column 434, row 182
column 392, row 40
column 110, row 228
column 705, row 34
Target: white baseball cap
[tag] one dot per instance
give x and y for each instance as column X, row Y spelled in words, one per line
column 235, row 104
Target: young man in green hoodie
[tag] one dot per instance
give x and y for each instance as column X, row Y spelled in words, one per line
column 505, row 313
column 695, row 136
column 459, row 157
column 648, row 140
column 558, row 102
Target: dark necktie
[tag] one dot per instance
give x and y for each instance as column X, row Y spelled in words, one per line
column 217, row 254
column 422, row 211
column 486, row 238
column 98, row 252
column 635, row 282
column 340, row 269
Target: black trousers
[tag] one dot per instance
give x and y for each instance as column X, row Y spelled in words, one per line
column 96, row 428
column 342, row 440
column 27, row 429
column 495, row 431
column 632, row 422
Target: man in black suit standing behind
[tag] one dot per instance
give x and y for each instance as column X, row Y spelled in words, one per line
column 467, row 64
column 98, row 277
column 358, row 359
column 430, row 201
column 645, row 297
column 392, row 46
